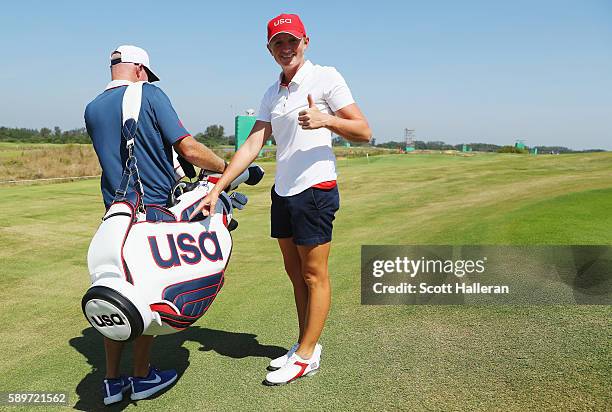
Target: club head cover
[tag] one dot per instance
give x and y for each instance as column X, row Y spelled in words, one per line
column 256, row 173
column 239, row 200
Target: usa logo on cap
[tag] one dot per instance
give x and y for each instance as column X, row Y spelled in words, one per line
column 286, row 23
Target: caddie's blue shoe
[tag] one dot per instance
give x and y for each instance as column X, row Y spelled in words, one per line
column 114, row 389
column 157, row 380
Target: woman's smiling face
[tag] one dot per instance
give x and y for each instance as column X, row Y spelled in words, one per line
column 288, row 50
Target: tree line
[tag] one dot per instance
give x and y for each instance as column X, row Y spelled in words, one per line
column 44, row 135
column 482, row 147
column 214, row 136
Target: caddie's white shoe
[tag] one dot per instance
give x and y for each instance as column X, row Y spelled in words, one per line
column 295, row 368
column 279, row 362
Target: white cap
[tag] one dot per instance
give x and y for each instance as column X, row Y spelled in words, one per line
column 133, row 54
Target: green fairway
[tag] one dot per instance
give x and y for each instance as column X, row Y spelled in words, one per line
column 375, row 358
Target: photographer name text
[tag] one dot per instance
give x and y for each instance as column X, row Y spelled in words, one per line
column 445, row 288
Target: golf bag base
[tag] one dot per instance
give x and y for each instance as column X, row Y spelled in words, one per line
column 113, row 314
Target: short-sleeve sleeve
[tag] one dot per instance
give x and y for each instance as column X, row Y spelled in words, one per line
column 336, row 92
column 170, row 127
column 265, row 112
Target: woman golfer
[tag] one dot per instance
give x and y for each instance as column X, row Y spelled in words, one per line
column 302, row 108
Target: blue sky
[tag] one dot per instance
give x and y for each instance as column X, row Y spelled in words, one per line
column 486, row 71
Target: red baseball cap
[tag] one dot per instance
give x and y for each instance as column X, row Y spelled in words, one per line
column 286, row 23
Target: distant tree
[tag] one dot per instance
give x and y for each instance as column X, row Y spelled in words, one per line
column 420, row 145
column 214, row 131
column 482, row 147
column 557, row 149
column 57, row 131
column 438, row 145
column 512, row 149
column 45, row 132
column 213, row 136
column 392, row 145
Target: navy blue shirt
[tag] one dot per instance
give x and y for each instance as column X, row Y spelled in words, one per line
column 158, row 129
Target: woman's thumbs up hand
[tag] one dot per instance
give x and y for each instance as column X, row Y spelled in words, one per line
column 312, row 118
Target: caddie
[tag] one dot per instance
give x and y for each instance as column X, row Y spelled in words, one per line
column 159, row 131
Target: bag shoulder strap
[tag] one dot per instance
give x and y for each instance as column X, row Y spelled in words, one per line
column 130, row 110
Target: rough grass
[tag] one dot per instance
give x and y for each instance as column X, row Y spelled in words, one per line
column 49, row 161
column 381, row 358
column 43, row 161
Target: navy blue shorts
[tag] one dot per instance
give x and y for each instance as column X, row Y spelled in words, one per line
column 306, row 217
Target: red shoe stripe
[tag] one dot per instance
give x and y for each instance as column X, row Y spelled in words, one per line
column 301, row 372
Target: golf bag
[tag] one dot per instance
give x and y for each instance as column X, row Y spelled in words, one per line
column 153, row 271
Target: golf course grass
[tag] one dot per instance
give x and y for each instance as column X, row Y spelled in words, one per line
column 375, row 357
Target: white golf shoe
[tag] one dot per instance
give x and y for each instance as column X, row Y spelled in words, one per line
column 279, row 362
column 295, row 368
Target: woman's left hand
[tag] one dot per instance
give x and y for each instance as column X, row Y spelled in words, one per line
column 207, row 205
column 312, row 118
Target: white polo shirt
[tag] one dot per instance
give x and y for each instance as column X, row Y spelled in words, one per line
column 304, row 157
